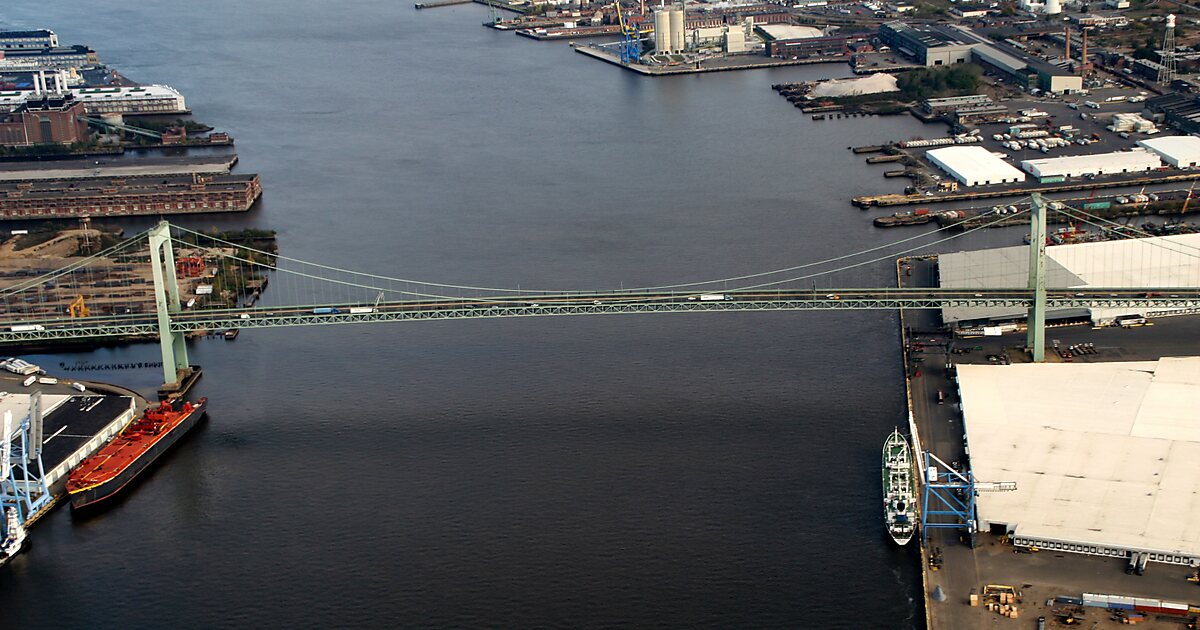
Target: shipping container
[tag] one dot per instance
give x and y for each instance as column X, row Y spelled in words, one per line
column 1097, row 205
column 78, row 387
column 1052, row 179
column 48, row 380
column 30, row 381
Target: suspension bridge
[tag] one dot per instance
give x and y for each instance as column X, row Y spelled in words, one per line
column 135, row 291
column 170, row 282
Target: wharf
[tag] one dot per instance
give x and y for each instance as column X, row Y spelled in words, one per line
column 75, row 424
column 140, row 167
column 939, row 428
column 108, row 197
column 439, row 3
column 569, row 33
column 868, row 201
column 724, row 64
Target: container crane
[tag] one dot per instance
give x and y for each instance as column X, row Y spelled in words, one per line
column 949, row 492
column 630, row 46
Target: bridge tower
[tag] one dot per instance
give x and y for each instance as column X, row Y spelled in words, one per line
column 1035, row 336
column 22, row 477
column 166, row 302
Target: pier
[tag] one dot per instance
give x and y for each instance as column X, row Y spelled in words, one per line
column 440, row 3
column 740, row 62
column 902, row 200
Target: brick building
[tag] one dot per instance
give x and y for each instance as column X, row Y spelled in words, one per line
column 52, row 119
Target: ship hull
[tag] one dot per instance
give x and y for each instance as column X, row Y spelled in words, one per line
column 110, row 488
column 899, row 494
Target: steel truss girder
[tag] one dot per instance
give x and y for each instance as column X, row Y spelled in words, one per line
column 271, row 317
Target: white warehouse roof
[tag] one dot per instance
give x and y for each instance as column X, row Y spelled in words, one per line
column 1104, row 454
column 974, row 166
column 1134, row 161
column 790, row 31
column 1161, row 261
column 1178, row 151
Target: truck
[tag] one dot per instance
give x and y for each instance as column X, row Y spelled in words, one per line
column 326, row 311
column 27, row 328
column 712, row 297
column 78, row 387
column 362, row 309
column 48, row 380
column 1092, row 104
column 30, row 381
column 18, row 366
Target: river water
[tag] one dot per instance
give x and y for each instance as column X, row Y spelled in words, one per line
column 716, row 470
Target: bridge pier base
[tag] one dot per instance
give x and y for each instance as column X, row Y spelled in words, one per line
column 166, row 301
column 1035, row 337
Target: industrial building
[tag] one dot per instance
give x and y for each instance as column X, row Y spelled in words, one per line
column 974, row 166
column 1135, row 161
column 107, row 197
column 1178, row 151
column 48, row 58
column 1179, row 110
column 146, row 99
column 1104, row 455
column 51, row 119
column 19, row 40
column 929, row 45
column 1163, row 261
column 817, row 47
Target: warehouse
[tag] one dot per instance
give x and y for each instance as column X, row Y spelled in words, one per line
column 1178, row 151
column 1135, row 161
column 974, row 166
column 1162, row 261
column 1110, row 474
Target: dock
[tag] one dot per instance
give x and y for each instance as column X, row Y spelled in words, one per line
column 50, row 199
column 1040, row 580
column 439, row 3
column 118, row 168
column 579, row 32
column 725, row 64
column 868, row 201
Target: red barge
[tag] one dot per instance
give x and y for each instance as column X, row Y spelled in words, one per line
column 133, row 450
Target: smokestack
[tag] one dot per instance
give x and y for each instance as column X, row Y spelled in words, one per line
column 1068, row 54
column 1083, row 68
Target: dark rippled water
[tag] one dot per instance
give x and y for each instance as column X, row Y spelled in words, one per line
column 711, row 470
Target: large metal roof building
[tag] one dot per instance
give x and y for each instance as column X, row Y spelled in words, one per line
column 1135, row 161
column 974, row 166
column 1178, row 151
column 1104, row 455
column 1163, row 261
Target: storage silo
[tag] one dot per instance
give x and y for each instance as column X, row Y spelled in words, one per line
column 678, row 31
column 662, row 31
column 1053, row 7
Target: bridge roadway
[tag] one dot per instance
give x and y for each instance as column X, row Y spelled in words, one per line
column 613, row 302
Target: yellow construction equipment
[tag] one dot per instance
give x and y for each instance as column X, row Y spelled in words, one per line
column 78, row 308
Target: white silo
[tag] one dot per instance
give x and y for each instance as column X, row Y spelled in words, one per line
column 678, row 30
column 662, row 31
column 1053, row 7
